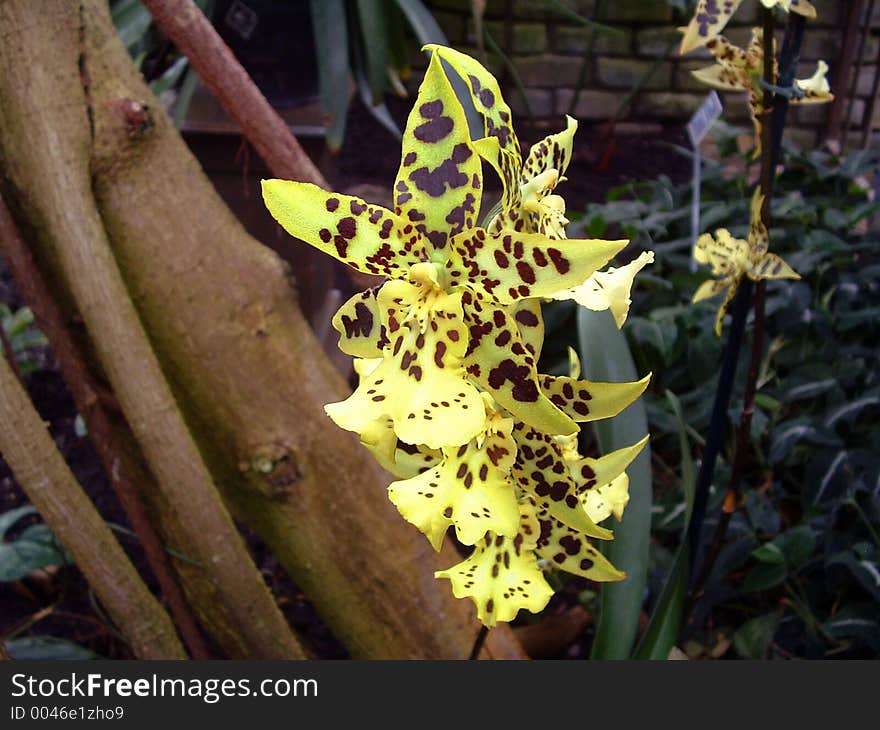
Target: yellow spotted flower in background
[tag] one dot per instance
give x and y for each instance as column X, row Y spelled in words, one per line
column 738, row 69
column 732, row 258
column 450, row 400
column 711, row 17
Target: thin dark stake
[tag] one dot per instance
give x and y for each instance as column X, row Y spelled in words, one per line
column 478, row 642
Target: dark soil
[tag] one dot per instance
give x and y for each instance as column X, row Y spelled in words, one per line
column 370, row 156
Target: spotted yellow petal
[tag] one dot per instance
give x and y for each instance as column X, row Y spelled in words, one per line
column 568, row 550
column 607, row 499
column 366, row 237
column 499, row 362
column 502, row 575
column 771, row 266
column 485, row 95
column 421, row 383
column 584, row 400
column 543, row 473
column 470, row 488
column 530, row 323
column 710, row 288
column 359, row 325
column 609, row 289
column 439, row 184
column 710, row 18
column 590, row 472
column 552, row 152
column 511, row 266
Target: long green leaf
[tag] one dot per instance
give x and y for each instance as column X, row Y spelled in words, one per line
column 664, row 626
column 331, row 46
column 374, row 41
column 605, row 356
column 422, row 22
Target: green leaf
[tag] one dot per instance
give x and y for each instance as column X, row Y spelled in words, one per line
column 34, row 549
column 792, row 548
column 10, row 517
column 856, row 621
column 170, row 76
column 422, row 22
column 605, row 357
column 666, row 619
column 765, row 576
column 374, row 41
column 331, row 46
column 47, row 647
column 753, row 638
column 132, row 21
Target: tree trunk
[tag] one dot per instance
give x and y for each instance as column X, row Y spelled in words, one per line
column 244, row 367
column 54, row 491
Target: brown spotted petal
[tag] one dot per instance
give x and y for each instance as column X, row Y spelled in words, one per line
column 367, row 237
column 530, row 323
column 421, row 384
column 584, row 400
column 502, row 575
column 553, row 152
column 359, row 324
column 508, row 166
column 542, row 472
column 485, row 95
column 590, row 473
column 511, row 266
column 710, row 18
column 500, row 363
column 470, row 488
column 439, row 184
column 569, row 550
column 396, row 457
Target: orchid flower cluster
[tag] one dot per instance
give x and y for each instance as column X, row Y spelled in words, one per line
column 738, row 69
column 450, row 400
column 741, row 69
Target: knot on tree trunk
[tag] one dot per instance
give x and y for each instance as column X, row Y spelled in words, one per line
column 136, row 116
column 272, row 469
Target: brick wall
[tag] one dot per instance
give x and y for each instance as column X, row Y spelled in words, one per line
column 548, row 50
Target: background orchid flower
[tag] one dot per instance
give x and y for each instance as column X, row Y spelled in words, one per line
column 732, row 258
column 736, row 69
column 711, row 17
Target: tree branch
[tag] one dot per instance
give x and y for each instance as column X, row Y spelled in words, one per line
column 56, row 182
column 223, row 75
column 39, row 468
column 110, row 447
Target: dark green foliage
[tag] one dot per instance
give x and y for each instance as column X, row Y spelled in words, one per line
column 799, row 574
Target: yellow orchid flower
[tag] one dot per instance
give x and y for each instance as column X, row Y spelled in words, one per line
column 449, row 398
column 732, row 258
column 562, row 498
column 711, row 17
column 440, row 324
column 529, row 203
column 741, row 70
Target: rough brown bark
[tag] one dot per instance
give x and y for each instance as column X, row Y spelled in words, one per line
column 243, row 363
column 41, row 471
column 47, row 132
column 106, row 436
column 248, row 370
